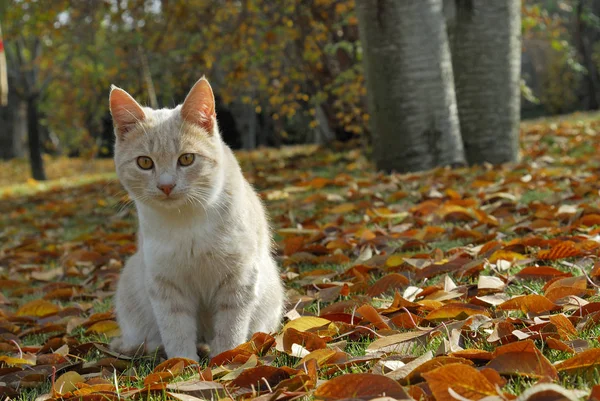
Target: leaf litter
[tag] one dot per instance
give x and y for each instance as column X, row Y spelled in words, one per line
column 469, row 283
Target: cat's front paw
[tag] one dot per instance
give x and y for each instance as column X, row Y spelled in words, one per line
column 203, row 350
column 133, row 350
column 118, row 345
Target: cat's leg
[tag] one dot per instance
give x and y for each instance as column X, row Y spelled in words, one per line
column 175, row 314
column 139, row 331
column 268, row 312
column 233, row 306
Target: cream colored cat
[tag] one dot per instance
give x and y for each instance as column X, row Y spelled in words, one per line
column 203, row 272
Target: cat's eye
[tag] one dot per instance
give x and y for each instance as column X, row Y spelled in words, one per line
column 145, row 163
column 186, row 159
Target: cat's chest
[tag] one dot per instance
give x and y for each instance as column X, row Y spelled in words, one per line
column 182, row 248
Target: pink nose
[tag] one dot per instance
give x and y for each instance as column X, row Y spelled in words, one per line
column 167, row 188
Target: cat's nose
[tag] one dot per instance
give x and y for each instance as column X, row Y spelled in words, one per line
column 166, row 188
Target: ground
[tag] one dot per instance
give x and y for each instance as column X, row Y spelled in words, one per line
column 469, row 283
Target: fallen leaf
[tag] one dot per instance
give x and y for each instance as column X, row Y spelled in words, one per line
column 465, row 380
column 363, row 386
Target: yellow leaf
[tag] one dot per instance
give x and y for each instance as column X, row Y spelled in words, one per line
column 108, row 327
column 37, row 308
column 343, row 208
column 15, row 361
column 505, row 255
column 394, row 260
column 67, row 382
column 320, row 355
column 305, row 323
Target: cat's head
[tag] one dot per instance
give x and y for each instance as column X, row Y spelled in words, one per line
column 170, row 157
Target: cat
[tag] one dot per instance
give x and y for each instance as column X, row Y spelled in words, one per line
column 203, row 272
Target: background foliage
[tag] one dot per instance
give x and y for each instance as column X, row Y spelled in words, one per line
column 285, row 72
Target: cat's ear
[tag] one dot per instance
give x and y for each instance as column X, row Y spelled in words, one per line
column 125, row 111
column 199, row 106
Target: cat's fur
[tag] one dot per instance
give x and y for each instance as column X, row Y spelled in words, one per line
column 203, row 272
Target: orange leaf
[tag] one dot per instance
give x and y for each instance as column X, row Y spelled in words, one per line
column 553, row 343
column 228, row 356
column 563, row 325
column 505, row 255
column 529, row 303
column 565, row 249
column 417, row 374
column 360, row 385
column 584, row 361
column 463, row 379
column 370, row 314
column 158, row 377
column 174, row 365
column 257, row 376
column 456, row 311
column 308, row 340
column 473, row 354
column 258, row 344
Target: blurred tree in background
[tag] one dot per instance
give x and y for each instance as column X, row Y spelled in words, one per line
column 287, row 71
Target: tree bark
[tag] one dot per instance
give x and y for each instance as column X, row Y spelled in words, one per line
column 409, row 84
column 585, row 36
column 34, row 143
column 486, row 56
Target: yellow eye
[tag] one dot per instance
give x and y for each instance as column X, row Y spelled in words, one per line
column 186, row 159
column 145, row 163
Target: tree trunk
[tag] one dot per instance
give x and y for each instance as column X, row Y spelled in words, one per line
column 586, row 35
column 410, row 84
column 35, row 146
column 19, row 130
column 486, row 56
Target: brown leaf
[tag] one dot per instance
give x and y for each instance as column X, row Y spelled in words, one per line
column 363, row 386
column 387, row 283
column 256, row 377
column 396, row 342
column 522, row 358
column 566, row 286
column 543, row 272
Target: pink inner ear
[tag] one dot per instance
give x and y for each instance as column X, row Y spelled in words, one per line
column 126, row 112
column 199, row 106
